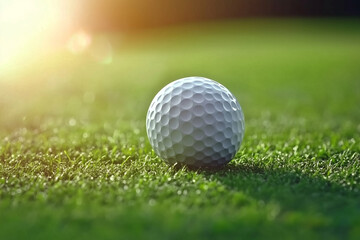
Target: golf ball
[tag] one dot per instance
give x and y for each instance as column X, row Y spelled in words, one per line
column 195, row 121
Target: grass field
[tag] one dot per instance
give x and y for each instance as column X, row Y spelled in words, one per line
column 75, row 162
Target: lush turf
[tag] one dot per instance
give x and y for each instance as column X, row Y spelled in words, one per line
column 75, row 161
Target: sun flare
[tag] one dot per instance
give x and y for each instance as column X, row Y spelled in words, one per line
column 30, row 27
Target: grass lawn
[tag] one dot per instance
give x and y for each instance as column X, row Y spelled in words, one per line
column 75, row 162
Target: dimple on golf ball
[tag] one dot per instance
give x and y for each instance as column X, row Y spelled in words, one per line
column 195, row 121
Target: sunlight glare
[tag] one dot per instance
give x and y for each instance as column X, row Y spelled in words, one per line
column 27, row 28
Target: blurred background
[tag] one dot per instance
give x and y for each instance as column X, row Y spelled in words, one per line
column 31, row 27
column 59, row 55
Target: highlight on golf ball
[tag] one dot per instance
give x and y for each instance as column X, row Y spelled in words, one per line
column 195, row 121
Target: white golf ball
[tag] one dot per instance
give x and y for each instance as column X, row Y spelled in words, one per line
column 195, row 121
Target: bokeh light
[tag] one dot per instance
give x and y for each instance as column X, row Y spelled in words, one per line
column 79, row 42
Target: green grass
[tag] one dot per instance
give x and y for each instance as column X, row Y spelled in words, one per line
column 75, row 161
